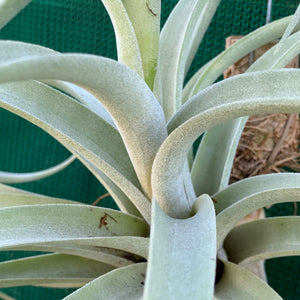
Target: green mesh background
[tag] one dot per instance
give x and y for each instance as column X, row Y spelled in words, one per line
column 84, row 26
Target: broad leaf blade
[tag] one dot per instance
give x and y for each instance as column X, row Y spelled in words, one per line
column 209, row 73
column 182, row 254
column 228, row 133
column 19, row 199
column 145, row 19
column 55, row 269
column 123, row 283
column 132, row 100
column 127, row 43
column 263, row 239
column 212, row 164
column 239, row 283
column 131, row 244
column 91, row 137
column 56, row 222
column 254, row 93
column 180, row 38
column 247, row 195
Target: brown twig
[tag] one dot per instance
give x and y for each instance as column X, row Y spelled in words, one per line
column 280, row 142
column 100, row 198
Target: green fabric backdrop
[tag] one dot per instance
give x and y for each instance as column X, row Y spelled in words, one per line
column 84, row 26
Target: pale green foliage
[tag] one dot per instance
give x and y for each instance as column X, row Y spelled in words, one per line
column 133, row 124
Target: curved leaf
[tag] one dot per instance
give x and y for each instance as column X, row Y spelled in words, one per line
column 244, row 196
column 45, row 223
column 112, row 257
column 90, row 136
column 253, row 93
column 212, row 164
column 9, row 9
column 55, row 269
column 127, row 44
column 4, row 296
column 239, row 283
column 123, row 283
column 9, row 177
column 180, row 38
column 132, row 105
column 278, row 58
column 9, row 199
column 83, row 97
column 145, row 19
column 132, row 244
column 179, row 265
column 219, row 161
column 291, row 27
column 263, row 239
column 125, row 204
column 209, row 73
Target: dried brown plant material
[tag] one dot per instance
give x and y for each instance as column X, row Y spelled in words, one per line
column 269, row 144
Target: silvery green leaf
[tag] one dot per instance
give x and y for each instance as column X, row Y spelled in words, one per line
column 127, row 43
column 132, row 244
column 276, row 58
column 209, row 73
column 239, row 283
column 119, row 284
column 143, row 129
column 83, row 97
column 219, row 162
column 10, row 177
column 125, row 204
column 180, row 38
column 9, row 9
column 9, row 199
column 294, row 22
column 56, row 270
column 253, row 93
column 54, row 222
column 247, row 195
column 85, row 137
column 145, row 19
column 263, row 239
column 179, row 266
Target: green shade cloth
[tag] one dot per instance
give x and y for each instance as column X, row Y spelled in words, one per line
column 84, row 26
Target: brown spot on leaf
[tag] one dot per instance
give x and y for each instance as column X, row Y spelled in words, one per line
column 103, row 220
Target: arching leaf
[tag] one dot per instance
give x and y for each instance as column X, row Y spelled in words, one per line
column 244, row 196
column 119, row 284
column 263, row 239
column 239, row 283
column 254, row 93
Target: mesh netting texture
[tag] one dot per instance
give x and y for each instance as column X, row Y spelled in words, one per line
column 84, row 26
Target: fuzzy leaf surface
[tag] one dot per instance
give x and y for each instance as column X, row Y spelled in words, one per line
column 180, row 38
column 56, row 222
column 119, row 284
column 127, row 43
column 263, row 239
column 244, row 196
column 52, row 269
column 254, row 93
column 132, row 105
column 9, row 9
column 239, row 283
column 179, row 265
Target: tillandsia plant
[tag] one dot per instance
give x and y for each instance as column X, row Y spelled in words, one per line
column 132, row 123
